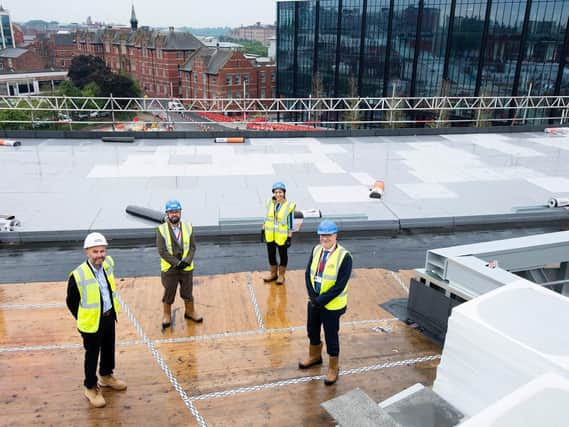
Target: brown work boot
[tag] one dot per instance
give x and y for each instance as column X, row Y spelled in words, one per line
column 333, row 370
column 167, row 318
column 112, row 382
column 95, row 396
column 314, row 357
column 191, row 313
column 272, row 275
column 281, row 278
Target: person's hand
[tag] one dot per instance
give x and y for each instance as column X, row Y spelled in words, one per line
column 182, row 264
column 313, row 302
column 262, row 236
column 288, row 242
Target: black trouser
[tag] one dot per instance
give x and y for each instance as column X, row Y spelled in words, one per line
column 330, row 319
column 102, row 341
column 272, row 251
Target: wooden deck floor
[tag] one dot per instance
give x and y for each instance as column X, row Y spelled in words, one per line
column 237, row 368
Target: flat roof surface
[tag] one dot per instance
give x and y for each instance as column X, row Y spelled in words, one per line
column 66, row 184
column 238, row 367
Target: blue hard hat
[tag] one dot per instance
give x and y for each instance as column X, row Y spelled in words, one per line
column 327, row 227
column 279, row 186
column 173, row 205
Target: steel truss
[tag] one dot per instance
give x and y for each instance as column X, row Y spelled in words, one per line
column 392, row 110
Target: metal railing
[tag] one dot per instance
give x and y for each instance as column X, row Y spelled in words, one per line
column 312, row 112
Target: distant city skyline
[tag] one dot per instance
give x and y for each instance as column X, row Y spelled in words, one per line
column 177, row 13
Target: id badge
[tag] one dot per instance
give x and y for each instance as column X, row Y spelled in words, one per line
column 318, row 279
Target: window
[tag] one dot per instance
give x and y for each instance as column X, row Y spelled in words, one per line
column 263, row 92
column 228, row 94
column 262, row 76
column 195, row 77
column 237, row 79
column 246, row 78
column 273, row 76
column 228, row 79
column 180, row 55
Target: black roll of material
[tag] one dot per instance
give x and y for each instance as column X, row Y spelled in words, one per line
column 146, row 213
column 124, row 139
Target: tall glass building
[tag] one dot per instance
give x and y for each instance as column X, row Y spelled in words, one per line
column 374, row 48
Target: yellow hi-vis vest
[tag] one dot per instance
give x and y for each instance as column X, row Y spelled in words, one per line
column 276, row 229
column 186, row 234
column 89, row 312
column 330, row 274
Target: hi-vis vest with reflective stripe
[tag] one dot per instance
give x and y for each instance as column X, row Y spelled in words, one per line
column 186, row 234
column 89, row 312
column 330, row 274
column 276, row 229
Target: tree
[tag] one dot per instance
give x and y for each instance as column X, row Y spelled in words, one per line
column 67, row 88
column 120, row 86
column 14, row 115
column 85, row 69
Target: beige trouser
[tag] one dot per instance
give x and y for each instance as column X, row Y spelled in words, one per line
column 170, row 281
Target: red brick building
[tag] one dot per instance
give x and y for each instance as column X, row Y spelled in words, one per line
column 258, row 32
column 176, row 64
column 16, row 59
column 152, row 58
column 227, row 74
column 61, row 48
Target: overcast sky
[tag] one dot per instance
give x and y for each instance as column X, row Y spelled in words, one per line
column 163, row 13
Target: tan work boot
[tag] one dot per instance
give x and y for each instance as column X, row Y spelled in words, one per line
column 314, row 357
column 281, row 278
column 333, row 370
column 112, row 382
column 167, row 318
column 191, row 313
column 95, row 396
column 272, row 275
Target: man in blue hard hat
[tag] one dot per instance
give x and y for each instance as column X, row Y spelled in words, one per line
column 176, row 246
column 327, row 275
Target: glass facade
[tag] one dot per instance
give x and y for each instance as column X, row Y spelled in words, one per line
column 285, row 49
column 7, row 32
column 373, row 48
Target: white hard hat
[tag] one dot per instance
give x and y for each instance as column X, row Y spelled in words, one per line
column 94, row 239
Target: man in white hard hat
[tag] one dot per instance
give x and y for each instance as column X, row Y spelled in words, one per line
column 91, row 299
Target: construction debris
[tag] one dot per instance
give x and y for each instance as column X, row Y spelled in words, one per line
column 10, row 143
column 146, row 213
column 376, row 191
column 233, row 140
column 558, row 202
column 9, row 223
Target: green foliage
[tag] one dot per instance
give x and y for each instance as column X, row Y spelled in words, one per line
column 212, row 32
column 94, row 78
column 67, row 88
column 85, row 69
column 250, row 46
column 14, row 115
column 91, row 89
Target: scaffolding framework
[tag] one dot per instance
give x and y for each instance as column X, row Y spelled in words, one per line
column 432, row 111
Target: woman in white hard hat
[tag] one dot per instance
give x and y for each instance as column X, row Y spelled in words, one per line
column 277, row 232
